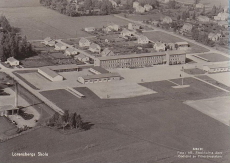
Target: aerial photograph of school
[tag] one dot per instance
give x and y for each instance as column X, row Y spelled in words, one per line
column 114, row 81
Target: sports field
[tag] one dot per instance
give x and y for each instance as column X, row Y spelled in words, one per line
column 159, row 123
column 39, row 22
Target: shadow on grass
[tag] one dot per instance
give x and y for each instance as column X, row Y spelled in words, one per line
column 87, row 125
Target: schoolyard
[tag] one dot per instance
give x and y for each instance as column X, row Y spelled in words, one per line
column 39, row 22
column 214, row 57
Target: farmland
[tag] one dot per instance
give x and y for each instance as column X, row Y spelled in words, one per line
column 39, row 22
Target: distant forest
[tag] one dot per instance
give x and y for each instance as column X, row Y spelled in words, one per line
column 73, row 8
column 11, row 43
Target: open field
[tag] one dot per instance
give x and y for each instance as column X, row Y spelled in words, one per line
column 5, row 125
column 149, row 74
column 217, row 108
column 209, row 2
column 39, row 22
column 194, row 71
column 223, row 78
column 143, row 122
column 166, row 38
column 214, row 57
column 18, row 3
column 120, row 89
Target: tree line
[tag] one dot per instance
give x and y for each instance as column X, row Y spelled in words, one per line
column 11, row 44
column 70, row 8
column 67, row 120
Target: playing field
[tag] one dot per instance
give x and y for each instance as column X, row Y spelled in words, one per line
column 39, row 22
column 167, row 38
column 217, row 108
column 214, row 57
column 119, row 90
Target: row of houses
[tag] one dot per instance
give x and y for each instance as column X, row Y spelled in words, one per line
column 141, row 60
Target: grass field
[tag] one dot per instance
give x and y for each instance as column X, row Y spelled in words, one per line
column 39, row 22
column 166, row 38
column 5, row 126
column 214, row 57
column 18, row 3
column 217, row 108
column 158, row 122
column 194, row 71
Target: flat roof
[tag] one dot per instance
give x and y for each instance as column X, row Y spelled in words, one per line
column 63, row 67
column 87, row 77
column 173, row 52
column 100, row 69
column 131, row 56
column 141, row 55
column 7, row 107
column 49, row 72
column 225, row 65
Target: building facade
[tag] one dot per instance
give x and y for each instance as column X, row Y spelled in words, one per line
column 98, row 78
column 141, row 60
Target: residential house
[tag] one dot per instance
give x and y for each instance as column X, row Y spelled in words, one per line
column 140, row 9
column 126, row 32
column 12, row 61
column 71, row 51
column 223, row 24
column 148, row 7
column 214, row 36
column 60, row 46
column 107, row 52
column 84, row 42
column 90, row 29
column 106, row 30
column 167, row 20
column 203, row 19
column 136, row 4
column 187, row 27
column 95, row 48
column 221, row 16
column 51, row 43
column 159, row 46
column 81, row 57
column 142, row 39
column 199, row 5
column 114, row 27
column 114, row 4
column 164, row 1
column 132, row 26
column 47, row 40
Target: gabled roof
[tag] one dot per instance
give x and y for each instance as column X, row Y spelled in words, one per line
column 59, row 44
column 84, row 40
column 71, row 50
column 11, row 59
column 142, row 37
column 94, row 46
column 81, row 56
column 107, row 52
column 47, row 39
column 100, row 69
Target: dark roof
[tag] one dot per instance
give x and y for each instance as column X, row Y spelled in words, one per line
column 173, row 52
column 87, row 77
column 62, row 67
column 100, row 69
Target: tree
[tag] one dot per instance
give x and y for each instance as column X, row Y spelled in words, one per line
column 214, row 10
column 203, row 11
column 172, row 4
column 88, row 5
column 65, row 116
column 196, row 1
column 106, row 7
column 79, row 121
column 194, row 16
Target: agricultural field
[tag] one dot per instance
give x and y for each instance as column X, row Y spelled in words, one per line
column 18, row 3
column 166, row 38
column 214, row 57
column 38, row 23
